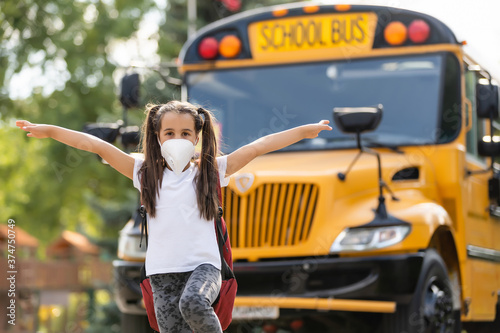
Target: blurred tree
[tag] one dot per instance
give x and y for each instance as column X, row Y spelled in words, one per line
column 67, row 47
column 46, row 186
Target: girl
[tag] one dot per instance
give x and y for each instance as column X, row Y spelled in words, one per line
column 182, row 259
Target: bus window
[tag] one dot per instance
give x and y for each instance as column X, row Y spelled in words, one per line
column 252, row 102
column 478, row 130
column 451, row 105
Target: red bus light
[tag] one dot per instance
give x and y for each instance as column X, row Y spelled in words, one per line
column 208, row 48
column 230, row 46
column 297, row 324
column 395, row 33
column 418, row 31
column 270, row 328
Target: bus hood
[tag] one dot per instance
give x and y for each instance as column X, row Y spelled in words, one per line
column 294, row 204
column 322, row 168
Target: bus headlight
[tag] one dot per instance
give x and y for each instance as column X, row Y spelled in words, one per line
column 362, row 239
column 128, row 244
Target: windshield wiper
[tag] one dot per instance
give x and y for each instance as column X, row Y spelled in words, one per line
column 322, row 141
column 373, row 143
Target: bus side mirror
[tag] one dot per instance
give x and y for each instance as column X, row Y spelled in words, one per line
column 488, row 147
column 357, row 120
column 487, row 100
column 129, row 94
column 131, row 136
column 104, row 131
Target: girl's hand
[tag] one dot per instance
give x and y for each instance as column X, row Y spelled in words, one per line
column 34, row 130
column 313, row 130
column 242, row 156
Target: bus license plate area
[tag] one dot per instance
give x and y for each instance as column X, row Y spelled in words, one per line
column 255, row 312
column 307, row 35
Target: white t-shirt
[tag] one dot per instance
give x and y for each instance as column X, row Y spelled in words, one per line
column 179, row 239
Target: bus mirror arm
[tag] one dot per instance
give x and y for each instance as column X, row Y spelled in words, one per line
column 359, row 120
column 381, row 208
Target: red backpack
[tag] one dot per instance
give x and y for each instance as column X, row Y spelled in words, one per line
column 223, row 305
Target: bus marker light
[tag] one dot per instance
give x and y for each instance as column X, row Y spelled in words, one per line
column 208, row 48
column 230, row 46
column 342, row 8
column 270, row 328
column 311, row 9
column 297, row 324
column 418, row 31
column 280, row 12
column 395, row 33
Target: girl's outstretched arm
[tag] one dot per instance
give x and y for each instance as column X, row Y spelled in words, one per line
column 242, row 156
column 118, row 159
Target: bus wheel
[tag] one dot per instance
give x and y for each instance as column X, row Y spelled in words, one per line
column 431, row 309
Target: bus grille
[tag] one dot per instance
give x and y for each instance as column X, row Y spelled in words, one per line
column 272, row 215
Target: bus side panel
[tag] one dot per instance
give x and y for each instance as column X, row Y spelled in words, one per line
column 483, row 290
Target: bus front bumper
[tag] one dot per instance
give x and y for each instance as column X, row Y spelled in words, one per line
column 328, row 304
column 366, row 284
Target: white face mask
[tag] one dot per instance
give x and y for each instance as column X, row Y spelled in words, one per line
column 177, row 153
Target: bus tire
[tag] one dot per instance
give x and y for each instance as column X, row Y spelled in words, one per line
column 135, row 324
column 431, row 308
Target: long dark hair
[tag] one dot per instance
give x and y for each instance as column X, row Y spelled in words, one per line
column 151, row 171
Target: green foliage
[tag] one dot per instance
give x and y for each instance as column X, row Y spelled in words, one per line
column 45, row 186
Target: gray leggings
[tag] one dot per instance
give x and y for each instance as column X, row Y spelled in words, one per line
column 183, row 301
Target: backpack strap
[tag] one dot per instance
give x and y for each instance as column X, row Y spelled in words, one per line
column 218, row 228
column 226, row 272
column 222, row 236
column 144, row 219
column 219, row 193
column 144, row 224
column 144, row 229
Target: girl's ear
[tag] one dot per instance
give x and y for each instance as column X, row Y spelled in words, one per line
column 197, row 140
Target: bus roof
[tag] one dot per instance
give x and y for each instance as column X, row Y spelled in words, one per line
column 239, row 24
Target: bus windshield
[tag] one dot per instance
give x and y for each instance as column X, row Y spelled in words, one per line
column 253, row 102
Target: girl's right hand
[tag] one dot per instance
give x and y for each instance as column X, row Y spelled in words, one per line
column 34, row 130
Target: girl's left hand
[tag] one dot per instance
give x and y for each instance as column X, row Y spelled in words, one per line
column 312, row 130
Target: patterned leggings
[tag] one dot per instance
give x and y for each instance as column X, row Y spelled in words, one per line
column 183, row 301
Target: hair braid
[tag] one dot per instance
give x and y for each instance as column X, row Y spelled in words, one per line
column 151, row 172
column 206, row 183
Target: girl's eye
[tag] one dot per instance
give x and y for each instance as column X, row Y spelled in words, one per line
column 169, row 133
column 185, row 134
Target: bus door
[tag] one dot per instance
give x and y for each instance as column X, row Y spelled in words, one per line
column 481, row 229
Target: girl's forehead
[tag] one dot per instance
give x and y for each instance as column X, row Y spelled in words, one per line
column 177, row 121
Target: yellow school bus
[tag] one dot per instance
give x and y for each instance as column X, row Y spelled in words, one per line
column 389, row 223
column 393, row 227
